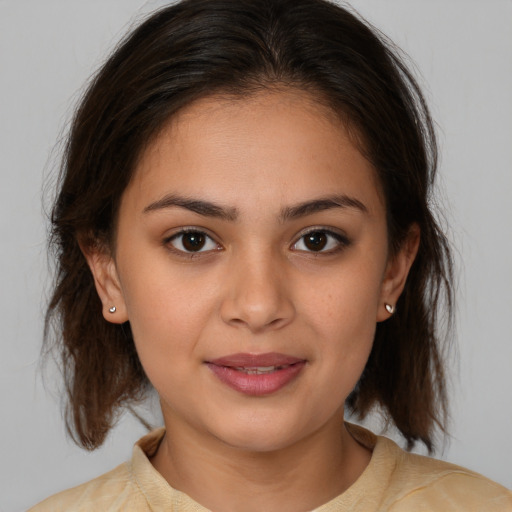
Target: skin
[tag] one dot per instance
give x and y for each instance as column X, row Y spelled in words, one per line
column 254, row 287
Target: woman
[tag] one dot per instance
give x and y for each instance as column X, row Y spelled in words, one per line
column 243, row 222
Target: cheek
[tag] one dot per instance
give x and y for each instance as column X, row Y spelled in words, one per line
column 344, row 312
column 172, row 311
column 346, row 301
column 167, row 311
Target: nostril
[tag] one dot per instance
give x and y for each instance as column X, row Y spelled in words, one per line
column 256, row 300
column 276, row 322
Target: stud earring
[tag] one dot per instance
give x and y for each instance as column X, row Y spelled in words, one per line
column 112, row 309
column 389, row 308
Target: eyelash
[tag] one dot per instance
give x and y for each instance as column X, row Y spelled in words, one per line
column 332, row 237
column 341, row 241
column 168, row 242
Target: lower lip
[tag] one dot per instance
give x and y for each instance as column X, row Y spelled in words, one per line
column 257, row 385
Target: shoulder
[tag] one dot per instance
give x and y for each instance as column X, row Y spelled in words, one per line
column 399, row 481
column 132, row 486
column 114, row 490
column 423, row 483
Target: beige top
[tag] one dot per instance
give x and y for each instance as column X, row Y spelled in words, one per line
column 394, row 480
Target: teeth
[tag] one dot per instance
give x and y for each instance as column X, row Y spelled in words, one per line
column 260, row 370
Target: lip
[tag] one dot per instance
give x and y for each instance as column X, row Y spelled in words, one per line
column 233, row 369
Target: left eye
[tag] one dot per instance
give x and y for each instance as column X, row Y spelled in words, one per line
column 320, row 241
column 192, row 241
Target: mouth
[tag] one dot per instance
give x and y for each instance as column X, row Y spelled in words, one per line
column 260, row 370
column 257, row 374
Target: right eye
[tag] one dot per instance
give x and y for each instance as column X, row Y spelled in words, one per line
column 192, row 241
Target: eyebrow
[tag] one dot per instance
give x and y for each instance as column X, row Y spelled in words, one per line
column 208, row 209
column 198, row 206
column 321, row 204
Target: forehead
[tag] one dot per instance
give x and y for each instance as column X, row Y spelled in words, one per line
column 278, row 144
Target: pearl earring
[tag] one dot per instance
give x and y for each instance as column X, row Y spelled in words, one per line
column 389, row 308
column 112, row 309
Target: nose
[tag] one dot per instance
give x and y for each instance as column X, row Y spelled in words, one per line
column 256, row 295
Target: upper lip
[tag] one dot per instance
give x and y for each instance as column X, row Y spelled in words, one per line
column 244, row 360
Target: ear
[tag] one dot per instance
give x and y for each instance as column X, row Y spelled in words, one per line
column 396, row 273
column 107, row 282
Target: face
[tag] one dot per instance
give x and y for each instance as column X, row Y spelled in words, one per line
column 252, row 264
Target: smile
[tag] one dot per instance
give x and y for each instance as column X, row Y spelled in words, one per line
column 260, row 370
column 257, row 374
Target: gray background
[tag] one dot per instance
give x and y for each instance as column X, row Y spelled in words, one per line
column 464, row 51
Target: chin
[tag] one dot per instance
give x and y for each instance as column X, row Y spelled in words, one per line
column 261, row 435
column 260, row 443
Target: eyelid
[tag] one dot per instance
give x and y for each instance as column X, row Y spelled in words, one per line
column 167, row 241
column 342, row 239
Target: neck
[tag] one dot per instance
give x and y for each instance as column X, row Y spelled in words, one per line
column 298, row 477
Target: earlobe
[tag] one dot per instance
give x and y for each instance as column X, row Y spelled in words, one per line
column 396, row 274
column 106, row 281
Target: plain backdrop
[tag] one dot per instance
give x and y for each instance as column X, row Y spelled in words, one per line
column 463, row 51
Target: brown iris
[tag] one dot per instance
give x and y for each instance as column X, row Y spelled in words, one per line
column 193, row 241
column 315, row 241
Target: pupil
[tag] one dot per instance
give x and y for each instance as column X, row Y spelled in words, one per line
column 316, row 241
column 193, row 241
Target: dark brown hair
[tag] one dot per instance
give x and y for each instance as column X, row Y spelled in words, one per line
column 198, row 48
